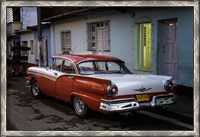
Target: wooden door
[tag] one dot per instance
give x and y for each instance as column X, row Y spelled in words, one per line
column 169, row 48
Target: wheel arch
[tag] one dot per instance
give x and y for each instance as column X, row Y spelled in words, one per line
column 32, row 79
column 36, row 78
column 91, row 102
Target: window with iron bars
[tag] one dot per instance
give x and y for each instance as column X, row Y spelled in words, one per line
column 66, row 42
column 9, row 15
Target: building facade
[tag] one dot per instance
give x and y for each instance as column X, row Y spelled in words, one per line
column 18, row 18
column 149, row 40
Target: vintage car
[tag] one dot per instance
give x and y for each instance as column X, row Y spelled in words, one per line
column 100, row 83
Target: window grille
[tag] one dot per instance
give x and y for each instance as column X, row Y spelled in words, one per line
column 9, row 15
column 66, row 41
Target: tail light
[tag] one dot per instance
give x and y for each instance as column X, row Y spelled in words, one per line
column 168, row 85
column 112, row 90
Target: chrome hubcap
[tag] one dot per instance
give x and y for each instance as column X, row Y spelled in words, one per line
column 79, row 105
column 35, row 89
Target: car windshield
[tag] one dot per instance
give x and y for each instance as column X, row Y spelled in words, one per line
column 102, row 67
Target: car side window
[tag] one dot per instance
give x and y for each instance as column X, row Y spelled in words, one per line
column 57, row 64
column 112, row 66
column 68, row 67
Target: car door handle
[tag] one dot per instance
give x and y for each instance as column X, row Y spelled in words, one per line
column 71, row 77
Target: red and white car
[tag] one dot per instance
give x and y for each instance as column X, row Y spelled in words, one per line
column 101, row 83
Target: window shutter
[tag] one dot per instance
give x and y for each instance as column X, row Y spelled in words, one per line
column 93, row 36
column 148, row 47
column 106, row 39
column 89, row 37
column 143, row 46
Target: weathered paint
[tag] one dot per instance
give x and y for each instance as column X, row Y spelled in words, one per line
column 45, row 34
column 122, row 37
column 28, row 16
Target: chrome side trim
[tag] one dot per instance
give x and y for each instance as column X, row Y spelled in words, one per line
column 50, row 77
column 114, row 101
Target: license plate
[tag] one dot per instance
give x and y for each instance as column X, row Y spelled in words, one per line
column 143, row 97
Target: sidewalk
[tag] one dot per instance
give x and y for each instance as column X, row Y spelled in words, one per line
column 183, row 106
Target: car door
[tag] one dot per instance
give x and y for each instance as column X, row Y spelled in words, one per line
column 51, row 76
column 64, row 84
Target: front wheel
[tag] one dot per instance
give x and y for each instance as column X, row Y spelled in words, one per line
column 35, row 90
column 80, row 107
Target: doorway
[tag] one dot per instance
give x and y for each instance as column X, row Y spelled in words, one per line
column 45, row 52
column 169, row 48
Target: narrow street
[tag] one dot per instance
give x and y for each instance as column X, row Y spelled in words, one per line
column 26, row 113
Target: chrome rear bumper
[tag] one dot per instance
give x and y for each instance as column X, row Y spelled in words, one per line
column 129, row 104
column 119, row 105
column 159, row 100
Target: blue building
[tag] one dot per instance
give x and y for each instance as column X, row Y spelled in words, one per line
column 150, row 40
column 46, row 44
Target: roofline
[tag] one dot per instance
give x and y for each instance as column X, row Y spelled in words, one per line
column 22, row 31
column 35, row 27
column 68, row 13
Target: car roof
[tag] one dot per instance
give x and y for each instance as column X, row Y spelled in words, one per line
column 77, row 58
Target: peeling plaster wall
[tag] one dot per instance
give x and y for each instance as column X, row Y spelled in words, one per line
column 28, row 16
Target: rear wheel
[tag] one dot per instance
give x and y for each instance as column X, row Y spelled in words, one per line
column 80, row 107
column 35, row 89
